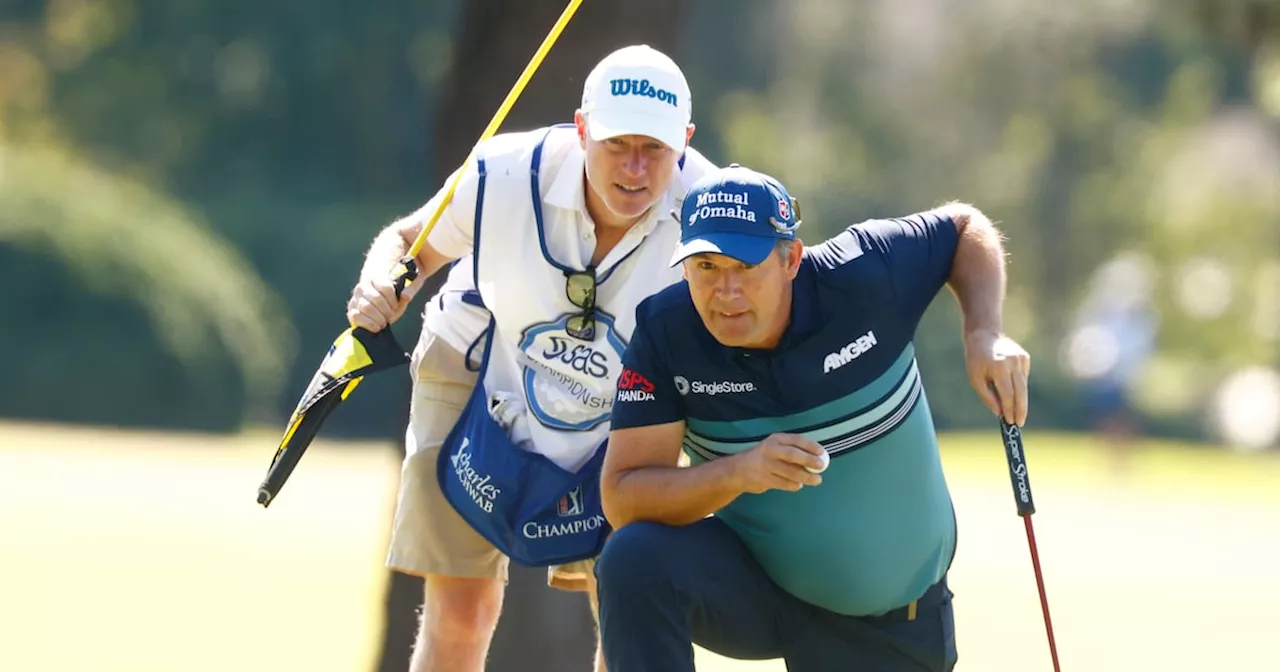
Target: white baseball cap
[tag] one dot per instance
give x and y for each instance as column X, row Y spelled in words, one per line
column 638, row 90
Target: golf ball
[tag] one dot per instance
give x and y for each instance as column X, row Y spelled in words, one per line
column 826, row 460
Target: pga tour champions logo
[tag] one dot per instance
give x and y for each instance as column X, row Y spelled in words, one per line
column 569, row 382
column 570, row 506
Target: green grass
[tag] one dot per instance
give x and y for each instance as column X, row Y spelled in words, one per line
column 139, row 552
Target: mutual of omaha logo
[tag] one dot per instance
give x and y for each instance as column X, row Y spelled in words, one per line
column 721, row 205
column 570, row 383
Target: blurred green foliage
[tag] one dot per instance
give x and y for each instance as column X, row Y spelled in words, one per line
column 187, row 188
column 1089, row 131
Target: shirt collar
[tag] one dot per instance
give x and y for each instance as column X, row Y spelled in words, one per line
column 566, row 189
column 806, row 311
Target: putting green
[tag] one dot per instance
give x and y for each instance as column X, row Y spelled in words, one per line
column 146, row 551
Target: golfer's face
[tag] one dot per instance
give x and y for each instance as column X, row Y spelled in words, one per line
column 629, row 172
column 742, row 305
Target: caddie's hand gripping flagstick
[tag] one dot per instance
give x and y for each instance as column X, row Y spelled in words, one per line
column 1016, row 454
column 357, row 352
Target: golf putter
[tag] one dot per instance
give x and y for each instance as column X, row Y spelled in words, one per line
column 1016, row 455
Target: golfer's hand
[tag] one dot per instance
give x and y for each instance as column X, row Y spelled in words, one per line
column 374, row 305
column 998, row 369
column 778, row 463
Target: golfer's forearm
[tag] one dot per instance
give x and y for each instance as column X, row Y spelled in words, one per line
column 978, row 270
column 670, row 495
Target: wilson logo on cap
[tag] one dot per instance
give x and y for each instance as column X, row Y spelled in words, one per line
column 642, row 87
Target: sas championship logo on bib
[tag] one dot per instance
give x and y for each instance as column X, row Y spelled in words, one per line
column 569, row 382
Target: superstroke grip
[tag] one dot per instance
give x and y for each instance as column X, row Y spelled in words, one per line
column 1018, row 476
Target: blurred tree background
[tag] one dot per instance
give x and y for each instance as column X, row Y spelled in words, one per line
column 187, row 188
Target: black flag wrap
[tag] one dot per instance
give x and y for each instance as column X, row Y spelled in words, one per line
column 356, row 353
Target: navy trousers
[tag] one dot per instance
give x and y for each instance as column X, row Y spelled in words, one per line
column 664, row 588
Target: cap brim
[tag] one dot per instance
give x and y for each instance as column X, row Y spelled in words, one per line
column 603, row 124
column 747, row 249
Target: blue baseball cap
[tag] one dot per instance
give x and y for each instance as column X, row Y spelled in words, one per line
column 736, row 212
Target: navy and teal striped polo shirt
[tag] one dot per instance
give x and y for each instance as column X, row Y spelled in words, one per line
column 880, row 529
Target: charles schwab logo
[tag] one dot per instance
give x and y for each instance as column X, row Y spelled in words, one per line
column 641, row 87
column 721, row 205
column 634, row 387
column 849, row 352
column 482, row 492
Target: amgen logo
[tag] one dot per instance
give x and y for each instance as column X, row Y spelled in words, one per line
column 849, row 352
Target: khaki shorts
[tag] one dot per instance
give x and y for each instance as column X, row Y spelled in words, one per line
column 427, row 535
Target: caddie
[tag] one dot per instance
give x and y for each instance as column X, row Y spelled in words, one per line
column 560, row 232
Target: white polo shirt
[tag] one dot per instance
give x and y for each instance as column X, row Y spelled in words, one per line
column 567, row 384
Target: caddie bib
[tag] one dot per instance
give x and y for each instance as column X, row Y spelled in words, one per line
column 532, row 509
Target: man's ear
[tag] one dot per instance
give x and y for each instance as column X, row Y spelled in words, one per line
column 794, row 257
column 580, row 121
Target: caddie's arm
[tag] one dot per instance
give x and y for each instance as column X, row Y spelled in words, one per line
column 373, row 303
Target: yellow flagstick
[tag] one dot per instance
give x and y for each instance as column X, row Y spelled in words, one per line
column 497, row 118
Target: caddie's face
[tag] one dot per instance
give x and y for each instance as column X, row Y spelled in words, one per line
column 628, row 174
column 743, row 305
